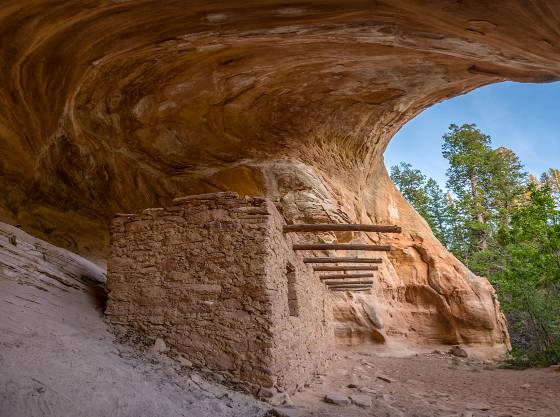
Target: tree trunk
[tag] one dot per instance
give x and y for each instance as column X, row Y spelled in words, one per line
column 481, row 235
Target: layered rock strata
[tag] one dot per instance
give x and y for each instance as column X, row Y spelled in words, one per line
column 115, row 106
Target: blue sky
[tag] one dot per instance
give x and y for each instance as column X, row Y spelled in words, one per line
column 522, row 117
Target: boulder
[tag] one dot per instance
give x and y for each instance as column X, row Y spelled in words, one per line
column 183, row 361
column 265, row 392
column 337, row 399
column 361, row 400
column 458, row 351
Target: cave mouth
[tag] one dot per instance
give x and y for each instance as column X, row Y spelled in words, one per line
column 518, row 118
column 517, row 124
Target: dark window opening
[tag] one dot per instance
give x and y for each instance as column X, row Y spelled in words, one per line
column 293, row 306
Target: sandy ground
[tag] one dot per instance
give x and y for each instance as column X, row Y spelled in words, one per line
column 58, row 357
column 427, row 384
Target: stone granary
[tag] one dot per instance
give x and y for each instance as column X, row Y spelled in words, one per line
column 217, row 279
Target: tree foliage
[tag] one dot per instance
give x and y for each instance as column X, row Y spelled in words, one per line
column 425, row 195
column 504, row 225
column 411, row 183
column 529, row 279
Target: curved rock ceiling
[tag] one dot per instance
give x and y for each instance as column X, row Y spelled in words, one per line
column 113, row 106
column 118, row 105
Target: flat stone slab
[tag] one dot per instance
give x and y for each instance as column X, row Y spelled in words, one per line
column 361, row 400
column 337, row 399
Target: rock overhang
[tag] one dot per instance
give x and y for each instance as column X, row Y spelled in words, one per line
column 115, row 106
column 112, row 106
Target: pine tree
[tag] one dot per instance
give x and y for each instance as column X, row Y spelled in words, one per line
column 426, row 196
column 551, row 179
column 469, row 153
column 506, row 185
column 411, row 183
column 458, row 235
column 437, row 211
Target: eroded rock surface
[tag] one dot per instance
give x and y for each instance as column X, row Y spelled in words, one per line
column 115, row 106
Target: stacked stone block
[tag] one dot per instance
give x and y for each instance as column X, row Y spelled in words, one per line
column 215, row 277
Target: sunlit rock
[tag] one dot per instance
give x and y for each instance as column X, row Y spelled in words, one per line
column 115, row 106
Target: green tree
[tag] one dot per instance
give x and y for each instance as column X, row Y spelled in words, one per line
column 551, row 178
column 529, row 284
column 468, row 151
column 411, row 183
column 437, row 211
column 506, row 184
column 504, row 192
column 487, row 183
column 426, row 196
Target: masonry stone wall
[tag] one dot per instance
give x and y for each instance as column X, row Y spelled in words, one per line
column 216, row 278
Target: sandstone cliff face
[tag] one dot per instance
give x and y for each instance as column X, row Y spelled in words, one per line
column 111, row 106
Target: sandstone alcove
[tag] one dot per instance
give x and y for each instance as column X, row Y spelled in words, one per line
column 296, row 102
column 290, row 100
column 117, row 106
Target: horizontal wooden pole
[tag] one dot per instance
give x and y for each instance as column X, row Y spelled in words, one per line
column 341, row 259
column 362, row 282
column 345, row 276
column 350, row 289
column 337, row 227
column 341, row 246
column 345, row 268
column 349, row 286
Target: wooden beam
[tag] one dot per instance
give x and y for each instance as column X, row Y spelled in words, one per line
column 345, row 268
column 350, row 289
column 345, row 276
column 342, row 259
column 350, row 286
column 364, row 282
column 341, row 246
column 337, row 227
